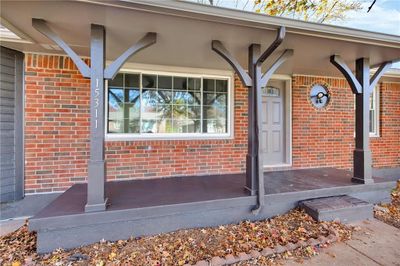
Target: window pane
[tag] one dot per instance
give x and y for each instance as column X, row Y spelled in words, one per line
column 164, row 82
column 180, row 83
column 132, row 126
column 194, row 98
column 221, row 100
column 164, row 96
column 115, row 126
column 115, row 107
column 134, row 96
column 215, row 126
column 132, row 110
column 372, row 121
column 194, row 112
column 117, row 81
column 221, row 86
column 149, row 81
column 193, row 126
column 209, row 98
column 164, row 126
column 209, row 85
column 179, row 126
column 180, row 97
column 132, row 80
column 149, row 102
column 149, row 126
column 194, row 84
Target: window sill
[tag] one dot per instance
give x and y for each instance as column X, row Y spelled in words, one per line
column 150, row 137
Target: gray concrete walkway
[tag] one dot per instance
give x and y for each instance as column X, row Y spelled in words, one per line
column 376, row 243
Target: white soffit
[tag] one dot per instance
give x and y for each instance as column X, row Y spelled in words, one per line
column 185, row 34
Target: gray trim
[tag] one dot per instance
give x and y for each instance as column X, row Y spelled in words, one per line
column 12, row 125
column 19, row 126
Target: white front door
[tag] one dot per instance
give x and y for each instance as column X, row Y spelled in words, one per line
column 273, row 126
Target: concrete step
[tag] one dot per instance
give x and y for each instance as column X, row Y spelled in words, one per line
column 345, row 208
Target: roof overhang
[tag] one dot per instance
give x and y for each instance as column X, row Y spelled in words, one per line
column 185, row 31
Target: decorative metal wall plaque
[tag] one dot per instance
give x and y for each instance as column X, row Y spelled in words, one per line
column 319, row 96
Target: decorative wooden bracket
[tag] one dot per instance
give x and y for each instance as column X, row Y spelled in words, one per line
column 255, row 81
column 337, row 61
column 96, row 200
column 109, row 73
column 148, row 40
column 383, row 67
column 41, row 26
column 220, row 49
column 282, row 58
column 278, row 40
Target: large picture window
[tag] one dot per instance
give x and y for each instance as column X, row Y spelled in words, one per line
column 158, row 104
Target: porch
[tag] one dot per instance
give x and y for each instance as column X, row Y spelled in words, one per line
column 142, row 207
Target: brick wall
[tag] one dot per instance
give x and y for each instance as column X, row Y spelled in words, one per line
column 57, row 132
column 326, row 137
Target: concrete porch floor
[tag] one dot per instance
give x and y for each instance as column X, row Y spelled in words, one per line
column 146, row 207
column 133, row 194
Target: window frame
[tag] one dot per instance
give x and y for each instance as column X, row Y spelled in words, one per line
column 376, row 98
column 175, row 136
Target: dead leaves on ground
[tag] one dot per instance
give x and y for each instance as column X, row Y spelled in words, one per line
column 180, row 247
column 390, row 213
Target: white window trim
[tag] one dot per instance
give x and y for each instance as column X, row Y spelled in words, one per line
column 177, row 136
column 376, row 92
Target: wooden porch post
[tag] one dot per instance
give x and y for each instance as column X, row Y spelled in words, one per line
column 362, row 86
column 255, row 81
column 96, row 198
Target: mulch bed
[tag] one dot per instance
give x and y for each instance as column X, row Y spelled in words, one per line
column 183, row 246
column 390, row 213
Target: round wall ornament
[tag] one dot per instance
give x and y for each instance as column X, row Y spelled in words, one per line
column 319, row 95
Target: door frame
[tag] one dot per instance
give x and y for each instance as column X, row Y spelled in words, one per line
column 288, row 121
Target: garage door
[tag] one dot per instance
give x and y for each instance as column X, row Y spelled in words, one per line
column 11, row 125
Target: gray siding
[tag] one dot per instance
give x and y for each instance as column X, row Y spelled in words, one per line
column 11, row 125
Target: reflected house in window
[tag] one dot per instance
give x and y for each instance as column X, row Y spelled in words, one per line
column 142, row 103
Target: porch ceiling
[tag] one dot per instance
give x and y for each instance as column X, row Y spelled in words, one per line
column 184, row 37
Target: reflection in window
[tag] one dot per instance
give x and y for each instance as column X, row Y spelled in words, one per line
column 148, row 103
